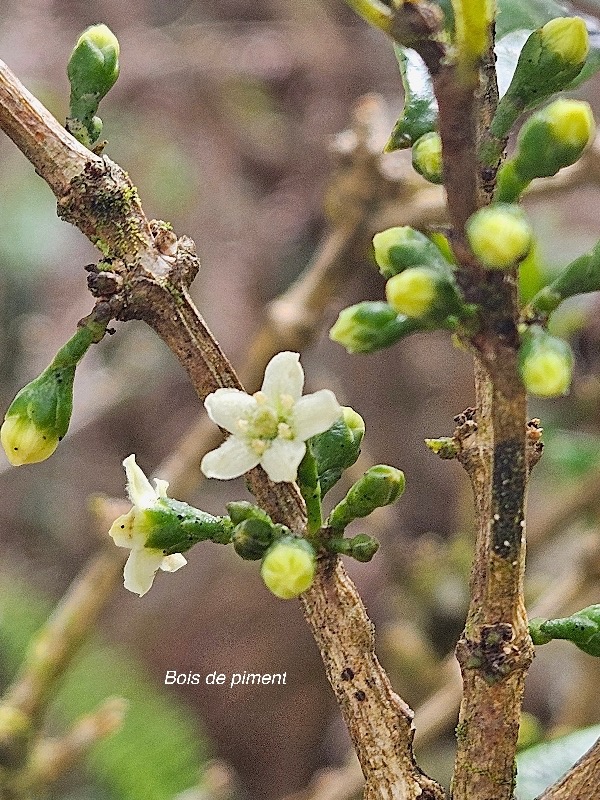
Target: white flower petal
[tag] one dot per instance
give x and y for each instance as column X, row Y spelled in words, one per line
column 121, row 530
column 227, row 406
column 230, row 460
column 161, row 487
column 173, row 563
column 283, row 375
column 315, row 413
column 281, row 460
column 140, row 569
column 139, row 488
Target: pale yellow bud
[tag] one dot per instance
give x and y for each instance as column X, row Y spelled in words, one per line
column 567, row 37
column 24, row 442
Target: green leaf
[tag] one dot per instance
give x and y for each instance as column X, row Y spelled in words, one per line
column 516, row 20
column 419, row 115
column 542, row 765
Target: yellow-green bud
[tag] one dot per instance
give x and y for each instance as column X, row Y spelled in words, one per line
column 572, row 122
column 429, row 296
column 412, row 292
column 24, row 442
column 567, row 37
column 545, row 363
column 39, row 416
column 427, row 157
column 550, row 140
column 500, row 235
column 401, row 247
column 370, row 326
column 551, row 58
column 289, row 567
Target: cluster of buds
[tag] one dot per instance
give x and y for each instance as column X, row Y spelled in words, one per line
column 158, row 529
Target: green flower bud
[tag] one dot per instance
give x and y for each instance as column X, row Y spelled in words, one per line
column 545, row 363
column 379, row 486
column 550, row 140
column 427, row 157
column 361, row 548
column 397, row 249
column 423, row 294
column 289, row 567
column 39, row 416
column 337, row 448
column 566, row 37
column 550, row 59
column 93, row 69
column 370, row 326
column 582, row 628
column 500, row 235
column 93, row 66
column 580, row 276
column 252, row 538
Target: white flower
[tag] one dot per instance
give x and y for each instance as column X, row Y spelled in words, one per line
column 131, row 530
column 270, row 427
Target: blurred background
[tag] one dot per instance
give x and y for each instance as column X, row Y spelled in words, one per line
column 226, row 116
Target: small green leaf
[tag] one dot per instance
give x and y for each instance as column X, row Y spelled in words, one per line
column 542, row 765
column 419, row 115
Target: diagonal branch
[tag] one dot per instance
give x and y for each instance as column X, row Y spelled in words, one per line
column 153, row 270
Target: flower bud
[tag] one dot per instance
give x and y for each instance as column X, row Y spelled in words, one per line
column 93, row 66
column 240, row 510
column 545, row 363
column 427, row 157
column 289, row 567
column 500, row 235
column 337, row 448
column 252, row 538
column 566, row 37
column 361, row 548
column 379, row 486
column 582, row 628
column 39, row 416
column 423, row 294
column 92, row 70
column 399, row 248
column 370, row 326
column 550, row 140
column 550, row 59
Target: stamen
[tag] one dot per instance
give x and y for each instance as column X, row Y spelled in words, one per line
column 284, row 431
column 258, row 446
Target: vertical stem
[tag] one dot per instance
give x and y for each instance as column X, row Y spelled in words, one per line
column 495, row 651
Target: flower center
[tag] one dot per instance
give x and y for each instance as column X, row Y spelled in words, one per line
column 267, row 422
